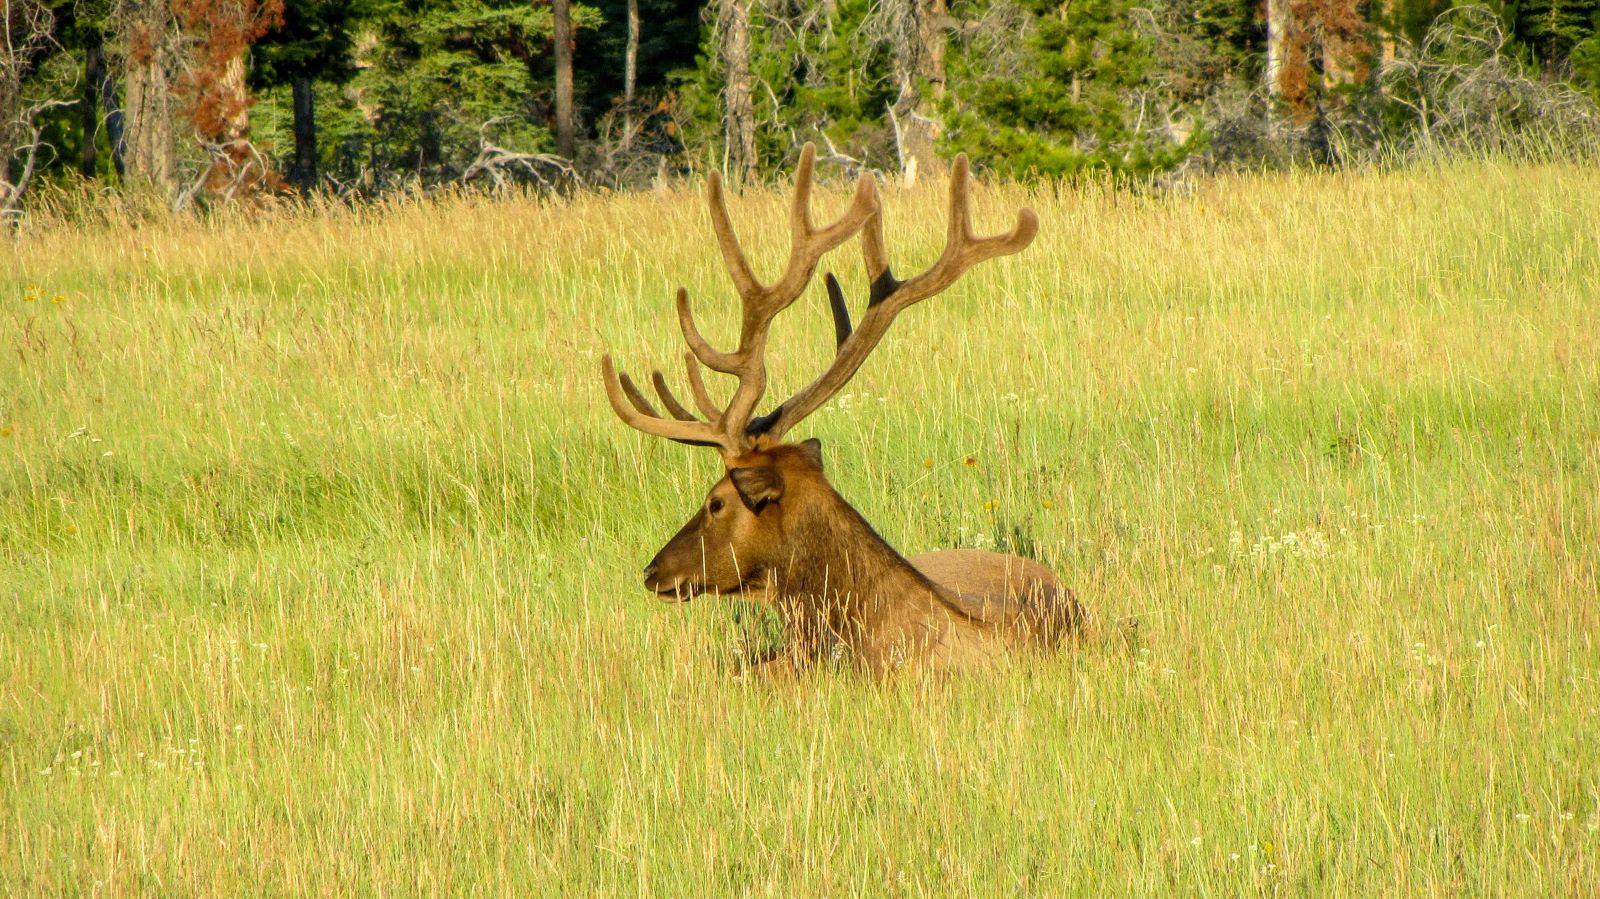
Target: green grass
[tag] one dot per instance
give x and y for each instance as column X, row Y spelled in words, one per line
column 320, row 554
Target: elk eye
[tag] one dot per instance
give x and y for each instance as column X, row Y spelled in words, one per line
column 714, row 506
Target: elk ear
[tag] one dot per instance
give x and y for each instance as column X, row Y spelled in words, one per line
column 757, row 486
column 811, row 448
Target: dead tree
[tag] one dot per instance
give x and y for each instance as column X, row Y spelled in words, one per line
column 739, row 116
column 502, row 169
column 915, row 33
column 150, row 54
column 25, row 27
column 562, row 10
column 630, row 74
column 11, row 191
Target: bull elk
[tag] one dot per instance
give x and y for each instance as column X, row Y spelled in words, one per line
column 773, row 529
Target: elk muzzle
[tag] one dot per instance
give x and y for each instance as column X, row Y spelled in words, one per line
column 677, row 571
column 668, row 589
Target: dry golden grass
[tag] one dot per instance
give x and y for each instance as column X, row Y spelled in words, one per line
column 319, row 553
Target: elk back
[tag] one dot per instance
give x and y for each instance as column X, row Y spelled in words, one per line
column 1018, row 597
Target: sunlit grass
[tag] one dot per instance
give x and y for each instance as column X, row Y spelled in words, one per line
column 320, row 553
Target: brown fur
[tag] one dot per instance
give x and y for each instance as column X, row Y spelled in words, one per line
column 775, row 530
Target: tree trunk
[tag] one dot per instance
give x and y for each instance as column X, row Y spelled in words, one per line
column 112, row 107
column 304, row 171
column 1280, row 21
column 917, row 45
column 740, row 118
column 94, row 72
column 149, row 125
column 630, row 73
column 236, row 116
column 563, row 42
column 147, row 32
column 25, row 27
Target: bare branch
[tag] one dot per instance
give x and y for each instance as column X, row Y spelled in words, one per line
column 11, row 192
column 501, row 166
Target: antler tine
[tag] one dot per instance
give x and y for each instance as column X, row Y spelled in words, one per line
column 744, row 279
column 762, row 303
column 839, row 308
column 889, row 296
column 632, row 407
column 697, row 389
column 880, row 278
column 636, row 396
column 675, row 408
column 714, row 359
column 728, row 428
column 962, row 248
column 808, row 244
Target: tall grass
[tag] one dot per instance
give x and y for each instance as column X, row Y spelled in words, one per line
column 319, row 553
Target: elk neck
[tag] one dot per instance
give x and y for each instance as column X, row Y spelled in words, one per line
column 837, row 562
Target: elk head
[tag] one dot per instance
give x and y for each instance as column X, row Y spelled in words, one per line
column 746, row 526
column 738, row 535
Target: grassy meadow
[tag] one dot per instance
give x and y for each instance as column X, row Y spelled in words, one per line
column 320, row 553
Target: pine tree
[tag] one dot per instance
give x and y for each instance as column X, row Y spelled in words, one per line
column 312, row 45
column 1585, row 62
column 444, row 73
column 1552, row 29
column 1069, row 102
column 822, row 76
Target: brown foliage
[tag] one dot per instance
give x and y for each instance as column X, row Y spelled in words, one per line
column 212, row 90
column 1328, row 46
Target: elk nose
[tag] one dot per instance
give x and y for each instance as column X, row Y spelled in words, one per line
column 650, row 572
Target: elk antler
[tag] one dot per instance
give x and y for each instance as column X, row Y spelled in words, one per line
column 888, row 296
column 732, row 428
column 726, row 428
